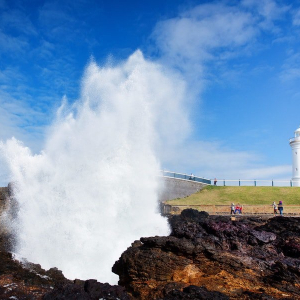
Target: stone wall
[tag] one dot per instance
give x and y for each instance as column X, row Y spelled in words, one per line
column 174, row 188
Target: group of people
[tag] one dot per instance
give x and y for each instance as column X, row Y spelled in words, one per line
column 277, row 207
column 236, row 209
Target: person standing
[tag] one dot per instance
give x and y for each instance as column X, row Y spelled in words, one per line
column 274, row 207
column 280, row 208
column 215, row 181
column 232, row 211
column 192, row 177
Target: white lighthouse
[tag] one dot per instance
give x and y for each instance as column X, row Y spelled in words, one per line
column 295, row 144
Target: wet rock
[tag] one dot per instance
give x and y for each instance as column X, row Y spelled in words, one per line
column 263, row 236
column 97, row 290
column 291, row 247
column 247, row 258
column 29, row 281
column 205, row 257
column 283, row 226
column 88, row 290
column 24, row 280
column 68, row 291
column 196, row 293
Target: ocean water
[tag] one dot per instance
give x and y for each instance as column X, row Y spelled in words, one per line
column 93, row 189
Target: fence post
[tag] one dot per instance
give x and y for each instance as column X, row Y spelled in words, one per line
column 239, row 182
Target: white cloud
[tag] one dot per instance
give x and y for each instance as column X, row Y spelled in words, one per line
column 23, row 122
column 291, row 67
column 13, row 45
column 64, row 21
column 17, row 20
column 19, row 116
column 9, row 74
column 197, row 33
column 210, row 160
column 45, row 50
column 20, row 120
column 215, row 33
column 200, row 42
column 15, row 29
column 268, row 10
column 270, row 172
column 207, row 34
column 290, row 74
column 26, row 110
column 54, row 20
column 296, row 18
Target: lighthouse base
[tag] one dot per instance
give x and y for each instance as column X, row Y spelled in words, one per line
column 296, row 182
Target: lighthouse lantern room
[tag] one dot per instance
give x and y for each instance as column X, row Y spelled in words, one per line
column 295, row 144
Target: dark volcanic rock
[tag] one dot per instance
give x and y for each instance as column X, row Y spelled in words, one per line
column 246, row 259
column 30, row 281
column 196, row 293
column 205, row 257
column 88, row 290
column 19, row 280
column 26, row 280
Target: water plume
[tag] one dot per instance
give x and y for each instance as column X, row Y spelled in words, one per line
column 93, row 190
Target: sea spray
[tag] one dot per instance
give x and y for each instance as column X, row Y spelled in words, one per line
column 93, row 190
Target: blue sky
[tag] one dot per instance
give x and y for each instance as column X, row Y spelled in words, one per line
column 240, row 61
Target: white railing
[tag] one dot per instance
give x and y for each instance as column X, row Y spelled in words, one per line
column 233, row 182
column 295, row 139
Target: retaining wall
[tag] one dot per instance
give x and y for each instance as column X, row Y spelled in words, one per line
column 171, row 188
column 174, row 188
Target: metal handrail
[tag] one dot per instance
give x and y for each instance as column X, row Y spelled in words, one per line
column 224, row 182
column 183, row 176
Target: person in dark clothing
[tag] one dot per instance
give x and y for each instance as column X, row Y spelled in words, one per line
column 280, row 208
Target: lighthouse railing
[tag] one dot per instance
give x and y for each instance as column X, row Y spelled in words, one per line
column 295, row 139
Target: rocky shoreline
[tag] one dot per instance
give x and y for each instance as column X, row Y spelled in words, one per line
column 246, row 259
column 205, row 257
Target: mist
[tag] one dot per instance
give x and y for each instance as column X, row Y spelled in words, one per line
column 93, row 190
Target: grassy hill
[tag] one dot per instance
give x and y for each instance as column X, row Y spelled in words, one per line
column 247, row 195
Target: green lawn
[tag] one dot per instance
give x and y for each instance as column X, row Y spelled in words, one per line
column 250, row 195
